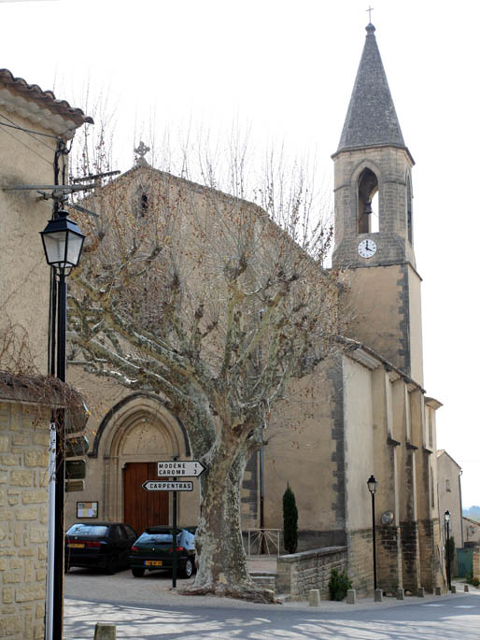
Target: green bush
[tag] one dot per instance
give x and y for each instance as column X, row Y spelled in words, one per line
column 475, row 582
column 339, row 584
column 290, row 521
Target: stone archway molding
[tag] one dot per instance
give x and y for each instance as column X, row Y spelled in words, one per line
column 119, row 412
column 116, row 435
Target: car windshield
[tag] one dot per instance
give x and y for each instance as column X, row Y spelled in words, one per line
column 156, row 538
column 81, row 529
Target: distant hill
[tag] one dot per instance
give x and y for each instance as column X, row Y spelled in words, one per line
column 473, row 512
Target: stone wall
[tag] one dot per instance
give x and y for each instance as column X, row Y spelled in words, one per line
column 24, row 437
column 407, row 557
column 360, row 561
column 299, row 572
column 410, row 554
column 389, row 558
column 430, row 567
column 476, row 562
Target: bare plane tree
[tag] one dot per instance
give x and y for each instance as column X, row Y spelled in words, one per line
column 215, row 303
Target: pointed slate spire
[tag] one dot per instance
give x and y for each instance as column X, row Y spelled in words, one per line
column 371, row 117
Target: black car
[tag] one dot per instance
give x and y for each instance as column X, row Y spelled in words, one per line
column 154, row 550
column 102, row 545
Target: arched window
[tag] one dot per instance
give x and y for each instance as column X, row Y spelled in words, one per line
column 141, row 201
column 409, row 211
column 143, row 204
column 367, row 213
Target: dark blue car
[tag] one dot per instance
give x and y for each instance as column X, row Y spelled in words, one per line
column 100, row 545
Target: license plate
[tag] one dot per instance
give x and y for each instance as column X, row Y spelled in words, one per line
column 76, row 545
column 153, row 563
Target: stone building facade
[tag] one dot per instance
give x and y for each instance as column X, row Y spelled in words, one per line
column 471, row 532
column 368, row 412
column 33, row 124
column 450, row 494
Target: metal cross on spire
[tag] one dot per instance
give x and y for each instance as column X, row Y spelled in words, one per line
column 370, row 9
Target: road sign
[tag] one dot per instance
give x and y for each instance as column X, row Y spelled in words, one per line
column 189, row 468
column 155, row 485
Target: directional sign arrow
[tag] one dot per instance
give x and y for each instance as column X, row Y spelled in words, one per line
column 154, row 485
column 188, row 468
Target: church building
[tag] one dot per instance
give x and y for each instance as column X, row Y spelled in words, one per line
column 369, row 416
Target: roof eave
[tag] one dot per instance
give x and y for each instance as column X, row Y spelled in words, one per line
column 364, row 147
column 40, row 107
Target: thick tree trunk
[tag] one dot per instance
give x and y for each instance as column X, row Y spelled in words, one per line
column 222, row 564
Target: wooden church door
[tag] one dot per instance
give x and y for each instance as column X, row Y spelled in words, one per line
column 142, row 508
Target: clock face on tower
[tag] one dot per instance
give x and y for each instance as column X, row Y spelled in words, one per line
column 367, row 248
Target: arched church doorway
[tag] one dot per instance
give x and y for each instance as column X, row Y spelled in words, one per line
column 137, row 433
column 142, row 508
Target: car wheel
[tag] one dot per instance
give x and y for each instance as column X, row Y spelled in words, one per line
column 188, row 568
column 137, row 572
column 112, row 565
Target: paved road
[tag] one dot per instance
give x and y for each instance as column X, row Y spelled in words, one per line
column 146, row 609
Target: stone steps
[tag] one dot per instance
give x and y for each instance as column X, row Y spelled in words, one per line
column 265, row 580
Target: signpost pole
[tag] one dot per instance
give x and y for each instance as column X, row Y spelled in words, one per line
column 179, row 470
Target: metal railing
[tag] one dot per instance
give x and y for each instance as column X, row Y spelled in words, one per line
column 263, row 542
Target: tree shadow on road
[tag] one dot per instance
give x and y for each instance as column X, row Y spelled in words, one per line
column 424, row 622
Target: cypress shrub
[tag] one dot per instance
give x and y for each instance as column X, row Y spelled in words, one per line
column 290, row 521
column 450, row 551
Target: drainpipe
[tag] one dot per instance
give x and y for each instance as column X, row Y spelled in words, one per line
column 461, row 510
column 262, row 497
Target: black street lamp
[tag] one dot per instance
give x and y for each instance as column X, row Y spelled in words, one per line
column 446, row 519
column 372, row 485
column 62, row 243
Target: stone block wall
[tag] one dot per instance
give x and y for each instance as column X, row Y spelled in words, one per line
column 389, row 559
column 411, row 556
column 476, row 562
column 24, row 438
column 430, row 561
column 299, row 572
column 360, row 561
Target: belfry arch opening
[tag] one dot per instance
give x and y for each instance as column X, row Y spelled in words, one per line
column 368, row 203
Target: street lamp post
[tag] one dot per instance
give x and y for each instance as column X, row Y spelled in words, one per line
column 372, row 485
column 62, row 243
column 446, row 518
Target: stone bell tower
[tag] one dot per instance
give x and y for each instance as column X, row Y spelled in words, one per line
column 374, row 220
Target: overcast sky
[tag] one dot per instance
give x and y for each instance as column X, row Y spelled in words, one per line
column 286, row 70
